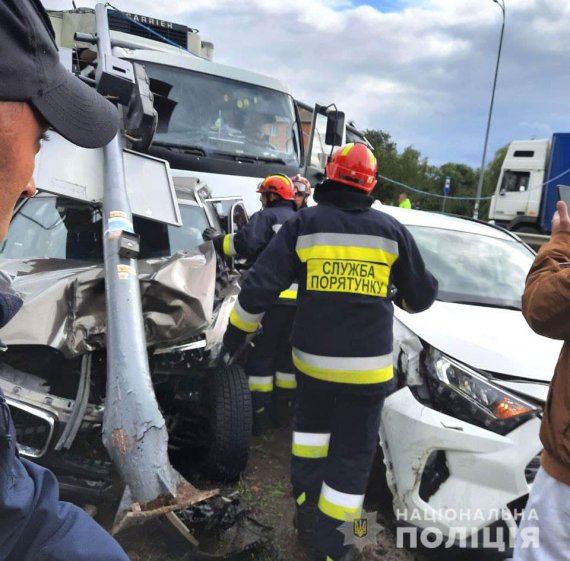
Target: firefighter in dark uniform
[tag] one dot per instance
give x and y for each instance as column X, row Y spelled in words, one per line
column 285, row 381
column 269, row 362
column 302, row 190
column 346, row 257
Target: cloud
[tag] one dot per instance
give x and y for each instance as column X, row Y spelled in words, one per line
column 421, row 70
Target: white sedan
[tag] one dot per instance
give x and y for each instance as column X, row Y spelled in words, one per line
column 460, row 432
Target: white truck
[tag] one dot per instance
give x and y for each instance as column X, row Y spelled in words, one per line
column 226, row 126
column 526, row 193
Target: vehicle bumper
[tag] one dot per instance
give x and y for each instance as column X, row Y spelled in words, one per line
column 481, row 473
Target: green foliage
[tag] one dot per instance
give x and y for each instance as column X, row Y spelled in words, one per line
column 410, row 168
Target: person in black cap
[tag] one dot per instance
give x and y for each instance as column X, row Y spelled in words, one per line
column 36, row 92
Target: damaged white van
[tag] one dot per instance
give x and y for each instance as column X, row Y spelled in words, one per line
column 460, row 431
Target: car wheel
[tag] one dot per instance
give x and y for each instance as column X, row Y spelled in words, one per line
column 527, row 230
column 229, row 412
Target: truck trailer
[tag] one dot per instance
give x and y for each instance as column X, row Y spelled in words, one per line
column 526, row 193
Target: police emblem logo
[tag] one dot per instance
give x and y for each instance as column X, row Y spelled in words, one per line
column 360, row 527
column 362, row 531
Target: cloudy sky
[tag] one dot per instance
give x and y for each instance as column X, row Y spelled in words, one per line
column 421, row 70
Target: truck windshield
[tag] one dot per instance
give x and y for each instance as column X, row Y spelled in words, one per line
column 217, row 117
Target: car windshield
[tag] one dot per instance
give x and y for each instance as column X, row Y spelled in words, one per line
column 473, row 268
column 61, row 228
column 212, row 116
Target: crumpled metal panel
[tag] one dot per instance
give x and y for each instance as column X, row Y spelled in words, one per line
column 64, row 300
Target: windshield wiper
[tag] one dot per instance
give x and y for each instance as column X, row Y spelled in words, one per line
column 485, row 304
column 183, row 148
column 251, row 158
column 270, row 160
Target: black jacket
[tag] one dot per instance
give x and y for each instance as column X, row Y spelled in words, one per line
column 252, row 239
column 346, row 257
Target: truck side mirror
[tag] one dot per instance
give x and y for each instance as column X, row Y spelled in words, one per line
column 335, row 128
column 141, row 116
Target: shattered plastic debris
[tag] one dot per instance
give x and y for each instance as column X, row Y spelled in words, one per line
column 225, row 526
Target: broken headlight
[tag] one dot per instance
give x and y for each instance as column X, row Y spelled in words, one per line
column 464, row 393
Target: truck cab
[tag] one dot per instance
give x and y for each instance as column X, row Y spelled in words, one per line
column 517, row 199
column 227, row 127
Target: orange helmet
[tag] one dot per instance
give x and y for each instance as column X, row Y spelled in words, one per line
column 355, row 165
column 279, row 184
column 302, row 185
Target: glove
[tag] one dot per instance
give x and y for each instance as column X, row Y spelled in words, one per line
column 10, row 305
column 216, row 238
column 234, row 340
column 209, row 234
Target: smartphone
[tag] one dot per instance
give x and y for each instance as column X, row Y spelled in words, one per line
column 564, row 194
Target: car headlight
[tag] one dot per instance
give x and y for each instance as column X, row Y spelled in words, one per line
column 467, row 395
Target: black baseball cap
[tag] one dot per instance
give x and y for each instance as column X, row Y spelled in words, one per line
column 30, row 71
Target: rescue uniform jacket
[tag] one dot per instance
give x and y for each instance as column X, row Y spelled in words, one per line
column 546, row 307
column 252, row 239
column 346, row 256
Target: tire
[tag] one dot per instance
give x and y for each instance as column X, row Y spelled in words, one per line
column 229, row 412
column 527, row 230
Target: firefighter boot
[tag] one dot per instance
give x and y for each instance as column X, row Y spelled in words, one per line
column 282, row 409
column 260, row 422
column 305, row 522
column 260, row 402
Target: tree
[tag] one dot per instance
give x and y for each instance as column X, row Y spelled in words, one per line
column 410, row 168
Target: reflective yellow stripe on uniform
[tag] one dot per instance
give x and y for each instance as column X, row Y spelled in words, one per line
column 244, row 320
column 310, row 444
column 340, row 506
column 345, row 370
column 347, row 246
column 228, row 246
column 290, row 293
column 353, row 263
column 260, row 383
column 285, row 380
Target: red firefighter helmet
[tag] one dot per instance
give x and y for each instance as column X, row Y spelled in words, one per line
column 279, row 184
column 353, row 164
column 301, row 185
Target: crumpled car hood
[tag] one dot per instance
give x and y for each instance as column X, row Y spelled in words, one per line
column 492, row 339
column 64, row 300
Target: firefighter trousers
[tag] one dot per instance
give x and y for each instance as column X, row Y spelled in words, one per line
column 270, row 364
column 334, row 442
